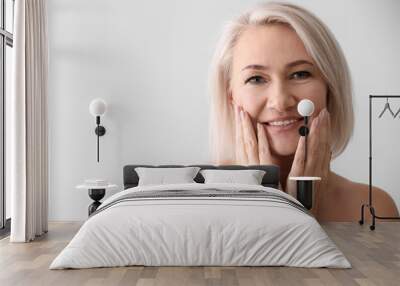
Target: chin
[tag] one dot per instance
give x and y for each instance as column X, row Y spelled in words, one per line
column 283, row 152
column 283, row 148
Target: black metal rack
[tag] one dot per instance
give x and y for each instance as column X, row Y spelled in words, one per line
column 369, row 205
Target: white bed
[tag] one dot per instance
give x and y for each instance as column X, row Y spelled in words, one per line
column 185, row 230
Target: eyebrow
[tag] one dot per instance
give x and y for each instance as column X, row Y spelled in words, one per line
column 289, row 65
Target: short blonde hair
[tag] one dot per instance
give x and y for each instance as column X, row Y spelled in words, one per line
column 321, row 46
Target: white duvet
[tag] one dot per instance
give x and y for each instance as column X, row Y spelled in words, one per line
column 200, row 231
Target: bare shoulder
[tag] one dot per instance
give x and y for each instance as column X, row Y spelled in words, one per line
column 383, row 203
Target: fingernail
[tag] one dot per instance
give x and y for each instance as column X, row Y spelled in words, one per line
column 241, row 114
column 322, row 115
column 318, row 119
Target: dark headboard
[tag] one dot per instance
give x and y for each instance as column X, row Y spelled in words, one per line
column 270, row 179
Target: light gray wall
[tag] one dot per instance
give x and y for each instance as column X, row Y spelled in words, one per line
column 149, row 60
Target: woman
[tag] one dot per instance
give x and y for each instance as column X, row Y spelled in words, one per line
column 267, row 61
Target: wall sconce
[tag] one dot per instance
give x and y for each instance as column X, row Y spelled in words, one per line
column 305, row 109
column 97, row 108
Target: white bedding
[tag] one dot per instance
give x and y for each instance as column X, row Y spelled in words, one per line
column 200, row 231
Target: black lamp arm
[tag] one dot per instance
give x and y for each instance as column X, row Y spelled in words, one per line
column 100, row 131
column 305, row 137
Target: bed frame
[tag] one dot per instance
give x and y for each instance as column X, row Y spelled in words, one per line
column 270, row 179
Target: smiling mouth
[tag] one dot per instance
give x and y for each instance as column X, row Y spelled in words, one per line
column 275, row 127
column 284, row 122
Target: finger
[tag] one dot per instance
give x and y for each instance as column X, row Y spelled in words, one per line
column 324, row 126
column 298, row 161
column 250, row 139
column 325, row 138
column 241, row 157
column 315, row 123
column 328, row 148
column 313, row 146
column 325, row 164
column 321, row 160
column 264, row 154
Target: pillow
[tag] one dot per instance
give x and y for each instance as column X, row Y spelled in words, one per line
column 161, row 176
column 249, row 177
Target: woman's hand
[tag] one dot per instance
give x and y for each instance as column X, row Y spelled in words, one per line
column 318, row 157
column 251, row 145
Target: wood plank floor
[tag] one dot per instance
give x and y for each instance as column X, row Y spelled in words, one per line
column 374, row 255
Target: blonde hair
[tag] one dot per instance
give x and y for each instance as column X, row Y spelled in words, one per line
column 321, row 46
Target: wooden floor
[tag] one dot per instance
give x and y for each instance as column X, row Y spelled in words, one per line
column 374, row 255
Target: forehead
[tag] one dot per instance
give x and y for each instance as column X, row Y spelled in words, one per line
column 273, row 45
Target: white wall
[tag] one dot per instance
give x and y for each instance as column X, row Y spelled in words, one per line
column 149, row 60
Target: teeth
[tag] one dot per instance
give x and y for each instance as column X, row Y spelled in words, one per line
column 282, row 123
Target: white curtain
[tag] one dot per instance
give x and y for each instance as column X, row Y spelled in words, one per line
column 27, row 123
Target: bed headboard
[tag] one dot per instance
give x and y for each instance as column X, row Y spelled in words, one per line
column 270, row 179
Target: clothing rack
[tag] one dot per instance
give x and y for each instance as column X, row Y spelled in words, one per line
column 369, row 205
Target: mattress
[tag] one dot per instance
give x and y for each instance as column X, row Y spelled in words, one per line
column 201, row 225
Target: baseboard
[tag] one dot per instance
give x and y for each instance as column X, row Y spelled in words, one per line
column 66, row 221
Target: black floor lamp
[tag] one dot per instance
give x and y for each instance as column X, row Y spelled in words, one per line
column 369, row 205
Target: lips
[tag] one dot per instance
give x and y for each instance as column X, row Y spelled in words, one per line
column 283, row 119
column 283, row 128
column 287, row 121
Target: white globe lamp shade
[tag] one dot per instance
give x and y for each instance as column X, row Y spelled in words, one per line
column 305, row 107
column 97, row 107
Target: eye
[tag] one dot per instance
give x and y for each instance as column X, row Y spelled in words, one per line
column 255, row 80
column 301, row 75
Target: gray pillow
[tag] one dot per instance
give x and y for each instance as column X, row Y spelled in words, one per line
column 162, row 176
column 248, row 177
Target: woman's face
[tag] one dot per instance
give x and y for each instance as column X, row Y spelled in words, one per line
column 271, row 74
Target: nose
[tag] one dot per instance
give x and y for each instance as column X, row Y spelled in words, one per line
column 279, row 98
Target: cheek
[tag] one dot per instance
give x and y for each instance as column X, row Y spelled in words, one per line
column 251, row 101
column 317, row 93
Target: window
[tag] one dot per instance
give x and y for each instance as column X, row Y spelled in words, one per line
column 6, row 44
